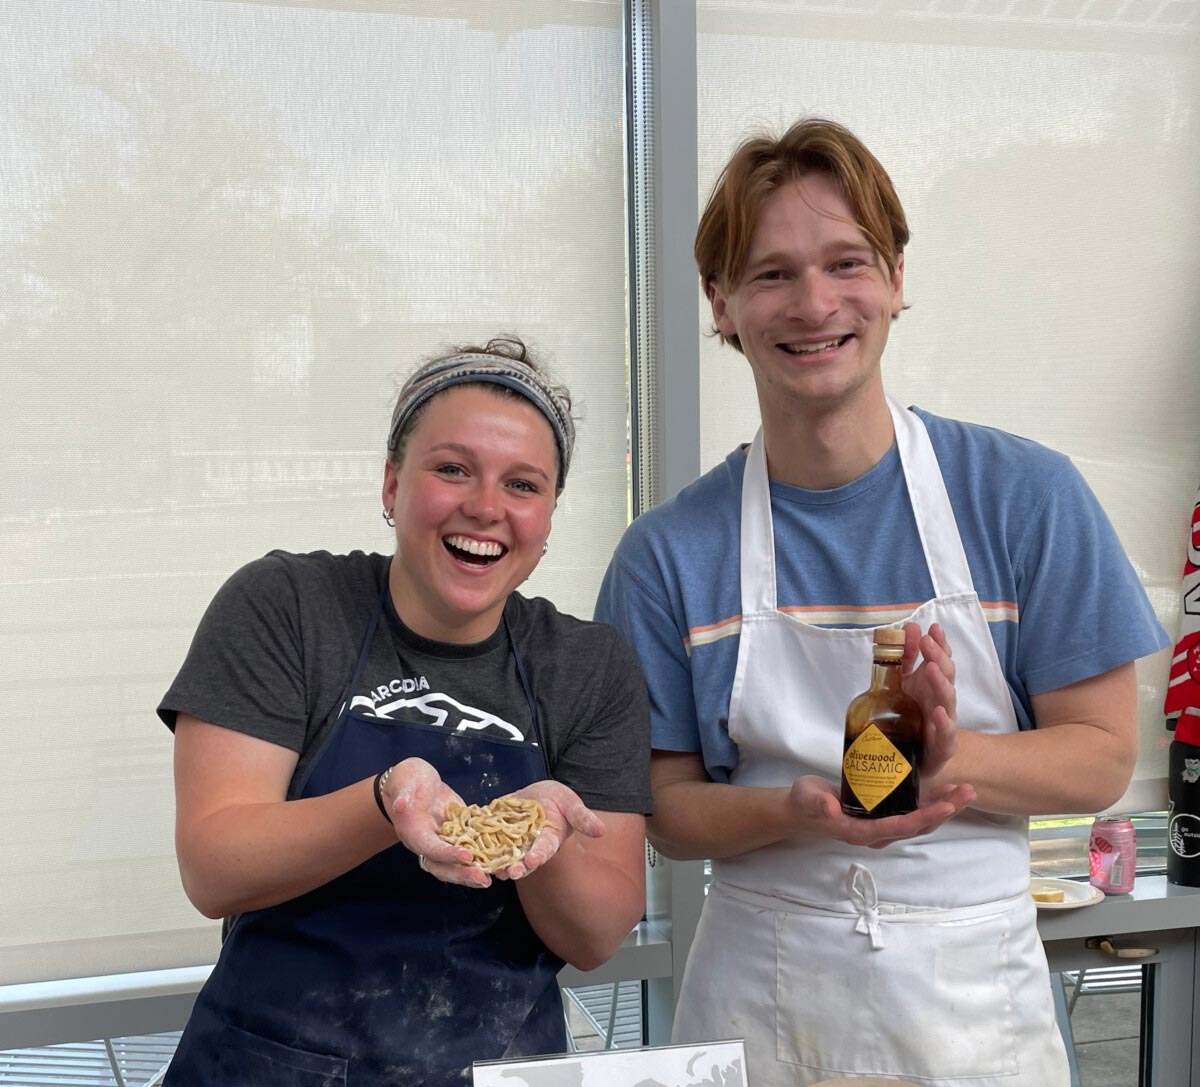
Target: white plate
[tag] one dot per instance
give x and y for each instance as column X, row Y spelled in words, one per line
column 1075, row 893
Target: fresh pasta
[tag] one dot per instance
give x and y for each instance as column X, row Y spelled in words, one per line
column 497, row 834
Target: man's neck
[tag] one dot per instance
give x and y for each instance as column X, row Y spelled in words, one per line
column 819, row 449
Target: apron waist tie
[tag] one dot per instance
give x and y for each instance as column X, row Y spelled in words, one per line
column 860, row 886
column 862, row 903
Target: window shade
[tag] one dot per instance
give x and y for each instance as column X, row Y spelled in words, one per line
column 227, row 227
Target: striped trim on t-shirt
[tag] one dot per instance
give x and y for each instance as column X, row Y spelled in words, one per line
column 846, row 615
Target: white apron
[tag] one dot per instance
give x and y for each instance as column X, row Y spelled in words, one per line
column 920, row 960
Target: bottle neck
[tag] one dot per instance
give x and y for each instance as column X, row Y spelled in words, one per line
column 886, row 675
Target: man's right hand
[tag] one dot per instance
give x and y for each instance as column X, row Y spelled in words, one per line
column 818, row 809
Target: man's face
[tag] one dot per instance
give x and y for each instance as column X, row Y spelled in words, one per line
column 813, row 307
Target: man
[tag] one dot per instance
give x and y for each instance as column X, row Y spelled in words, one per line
column 917, row 958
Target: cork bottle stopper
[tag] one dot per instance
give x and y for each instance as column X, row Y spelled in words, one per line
column 889, row 636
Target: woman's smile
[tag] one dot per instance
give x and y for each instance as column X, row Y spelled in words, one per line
column 472, row 551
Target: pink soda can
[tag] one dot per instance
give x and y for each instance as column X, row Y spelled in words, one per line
column 1112, row 856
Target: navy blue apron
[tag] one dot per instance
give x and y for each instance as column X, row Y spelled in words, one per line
column 385, row 976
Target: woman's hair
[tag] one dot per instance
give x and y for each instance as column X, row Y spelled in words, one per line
column 762, row 164
column 504, row 366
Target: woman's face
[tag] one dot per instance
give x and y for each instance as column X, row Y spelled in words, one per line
column 472, row 498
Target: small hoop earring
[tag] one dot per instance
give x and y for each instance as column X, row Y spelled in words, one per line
column 545, row 548
column 391, row 521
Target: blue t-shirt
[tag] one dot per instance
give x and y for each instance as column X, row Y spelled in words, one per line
column 1062, row 601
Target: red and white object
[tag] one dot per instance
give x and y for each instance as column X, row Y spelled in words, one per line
column 1183, row 685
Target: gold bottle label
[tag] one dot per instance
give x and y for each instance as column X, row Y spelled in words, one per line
column 874, row 766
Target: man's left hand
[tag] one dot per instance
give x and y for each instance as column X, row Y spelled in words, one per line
column 931, row 685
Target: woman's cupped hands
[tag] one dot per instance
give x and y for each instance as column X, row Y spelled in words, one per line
column 416, row 798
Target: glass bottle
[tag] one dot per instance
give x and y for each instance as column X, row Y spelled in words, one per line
column 882, row 752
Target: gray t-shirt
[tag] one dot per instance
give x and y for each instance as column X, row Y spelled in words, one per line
column 275, row 653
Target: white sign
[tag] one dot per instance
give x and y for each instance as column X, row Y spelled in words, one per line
column 717, row 1064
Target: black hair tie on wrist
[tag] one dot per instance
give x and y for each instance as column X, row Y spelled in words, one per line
column 378, row 790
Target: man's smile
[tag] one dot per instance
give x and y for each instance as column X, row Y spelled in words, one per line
column 814, row 348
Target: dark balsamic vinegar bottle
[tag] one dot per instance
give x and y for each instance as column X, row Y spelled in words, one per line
column 882, row 752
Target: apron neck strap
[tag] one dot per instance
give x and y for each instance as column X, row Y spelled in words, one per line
column 936, row 524
column 365, row 651
column 757, row 534
column 530, row 701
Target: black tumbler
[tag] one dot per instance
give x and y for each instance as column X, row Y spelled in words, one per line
column 1183, row 815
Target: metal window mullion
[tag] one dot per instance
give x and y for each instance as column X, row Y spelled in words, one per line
column 660, row 41
column 641, row 250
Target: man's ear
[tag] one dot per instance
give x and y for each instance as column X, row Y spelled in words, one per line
column 720, row 312
column 898, row 286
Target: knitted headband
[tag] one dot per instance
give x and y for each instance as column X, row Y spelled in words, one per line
column 434, row 377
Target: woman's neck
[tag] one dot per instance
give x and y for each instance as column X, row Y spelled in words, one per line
column 420, row 612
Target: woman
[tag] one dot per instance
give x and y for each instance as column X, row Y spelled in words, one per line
column 330, row 707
